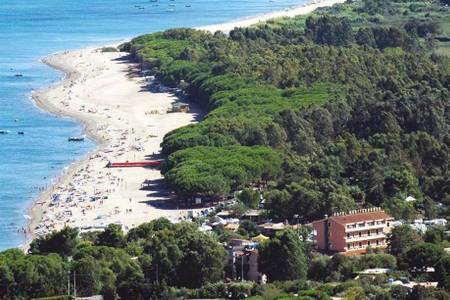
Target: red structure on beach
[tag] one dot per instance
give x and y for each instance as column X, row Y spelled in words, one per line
column 151, row 163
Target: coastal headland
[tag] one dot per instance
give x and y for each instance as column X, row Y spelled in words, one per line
column 126, row 112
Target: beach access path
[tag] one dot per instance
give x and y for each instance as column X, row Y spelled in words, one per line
column 128, row 117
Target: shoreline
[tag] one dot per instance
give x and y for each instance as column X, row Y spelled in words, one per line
column 290, row 12
column 97, row 90
column 87, row 71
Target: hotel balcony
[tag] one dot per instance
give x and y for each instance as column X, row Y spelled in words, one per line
column 357, row 248
column 365, row 237
column 365, row 227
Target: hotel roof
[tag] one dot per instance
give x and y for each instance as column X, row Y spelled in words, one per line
column 361, row 215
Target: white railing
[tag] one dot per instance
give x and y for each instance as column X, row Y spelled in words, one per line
column 366, row 227
column 356, row 247
column 365, row 237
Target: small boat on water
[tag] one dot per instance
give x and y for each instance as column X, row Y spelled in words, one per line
column 4, row 131
column 76, row 139
column 21, row 133
column 18, row 75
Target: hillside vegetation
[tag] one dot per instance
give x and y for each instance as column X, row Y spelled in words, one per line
column 354, row 99
column 346, row 107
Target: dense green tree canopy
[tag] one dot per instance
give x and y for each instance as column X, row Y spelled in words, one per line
column 61, row 242
column 424, row 255
column 400, row 241
column 283, row 257
column 347, row 107
column 351, row 98
column 442, row 270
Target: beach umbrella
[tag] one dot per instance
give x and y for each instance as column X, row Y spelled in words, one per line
column 260, row 238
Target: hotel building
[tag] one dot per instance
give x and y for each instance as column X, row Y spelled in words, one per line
column 353, row 232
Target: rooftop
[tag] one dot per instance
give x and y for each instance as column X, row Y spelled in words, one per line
column 360, row 215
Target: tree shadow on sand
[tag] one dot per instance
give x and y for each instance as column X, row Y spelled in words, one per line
column 161, row 196
column 134, row 71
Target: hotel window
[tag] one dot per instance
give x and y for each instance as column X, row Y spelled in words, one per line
column 360, row 234
column 378, row 242
column 348, row 235
column 378, row 231
column 348, row 246
column 368, row 232
column 368, row 243
column 360, row 244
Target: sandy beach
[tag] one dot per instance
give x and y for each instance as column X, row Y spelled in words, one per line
column 127, row 114
column 289, row 12
column 108, row 94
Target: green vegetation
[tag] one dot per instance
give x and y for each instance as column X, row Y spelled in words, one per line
column 109, row 49
column 142, row 264
column 161, row 260
column 283, row 258
column 215, row 171
column 346, row 107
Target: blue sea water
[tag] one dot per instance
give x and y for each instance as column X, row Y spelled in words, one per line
column 30, row 30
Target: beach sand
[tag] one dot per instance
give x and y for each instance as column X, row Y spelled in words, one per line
column 106, row 92
column 289, row 12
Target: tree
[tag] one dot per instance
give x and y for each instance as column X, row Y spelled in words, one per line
column 373, row 7
column 6, row 282
column 400, row 292
column 355, row 293
column 248, row 228
column 203, row 261
column 442, row 272
column 62, row 242
column 379, row 260
column 283, row 257
column 421, row 292
column 31, row 276
column 435, row 235
column 249, row 197
column 318, row 268
column 329, row 30
column 112, row 236
column 401, row 239
column 423, row 255
column 182, row 256
column 341, row 267
column 88, row 273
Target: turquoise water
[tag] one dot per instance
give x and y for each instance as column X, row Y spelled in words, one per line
column 30, row 30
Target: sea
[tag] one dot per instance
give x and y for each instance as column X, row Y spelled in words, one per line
column 31, row 30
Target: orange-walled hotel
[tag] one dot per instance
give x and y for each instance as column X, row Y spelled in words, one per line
column 351, row 233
